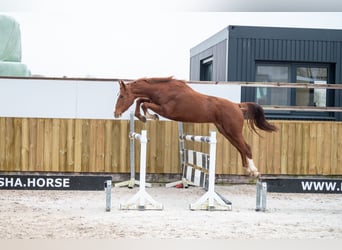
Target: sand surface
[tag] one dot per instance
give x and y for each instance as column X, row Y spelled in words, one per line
column 82, row 215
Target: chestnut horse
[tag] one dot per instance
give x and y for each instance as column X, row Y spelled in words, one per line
column 175, row 100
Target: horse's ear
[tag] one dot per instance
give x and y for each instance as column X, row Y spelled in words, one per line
column 122, row 85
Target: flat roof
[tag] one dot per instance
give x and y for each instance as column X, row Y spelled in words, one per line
column 262, row 32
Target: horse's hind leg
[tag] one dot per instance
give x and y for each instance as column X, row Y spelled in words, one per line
column 237, row 140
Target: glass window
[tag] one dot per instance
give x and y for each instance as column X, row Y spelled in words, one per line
column 291, row 72
column 311, row 97
column 269, row 95
column 206, row 69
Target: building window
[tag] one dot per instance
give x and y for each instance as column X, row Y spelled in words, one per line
column 206, row 69
column 311, row 97
column 298, row 73
column 273, row 96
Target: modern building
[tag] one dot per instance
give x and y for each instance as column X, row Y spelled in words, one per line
column 270, row 54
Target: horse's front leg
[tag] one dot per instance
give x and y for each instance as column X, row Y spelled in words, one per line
column 147, row 114
column 137, row 113
column 141, row 102
column 152, row 106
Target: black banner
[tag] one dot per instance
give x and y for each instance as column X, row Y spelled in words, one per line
column 53, row 182
column 307, row 185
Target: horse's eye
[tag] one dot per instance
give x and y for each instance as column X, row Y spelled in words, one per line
column 121, row 96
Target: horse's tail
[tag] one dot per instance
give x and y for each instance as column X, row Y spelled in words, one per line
column 255, row 116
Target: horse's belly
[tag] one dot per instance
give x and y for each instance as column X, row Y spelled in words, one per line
column 195, row 114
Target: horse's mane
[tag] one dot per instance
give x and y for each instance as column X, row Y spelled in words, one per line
column 159, row 79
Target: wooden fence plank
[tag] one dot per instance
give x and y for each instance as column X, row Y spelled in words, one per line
column 2, row 142
column 334, row 149
column 262, row 165
column 166, row 147
column 55, row 144
column 298, row 145
column 16, row 144
column 269, row 155
column 33, row 145
column 221, row 149
column 40, row 144
column 92, row 145
column 174, row 166
column 78, row 145
column 327, row 148
column 321, row 157
column 338, row 166
column 108, row 146
column 25, row 144
column 70, row 145
column 291, row 134
column 153, row 155
column 63, row 148
column 122, row 142
column 85, row 146
column 313, row 149
column 277, row 150
column 306, row 151
column 284, row 148
column 100, row 146
column 9, row 144
column 116, row 146
column 47, row 144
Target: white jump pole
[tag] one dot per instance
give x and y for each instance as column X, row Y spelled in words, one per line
column 141, row 200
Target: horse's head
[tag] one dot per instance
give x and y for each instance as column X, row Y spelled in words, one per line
column 124, row 101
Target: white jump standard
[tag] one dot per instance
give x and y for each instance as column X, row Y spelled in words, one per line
column 210, row 200
column 141, row 200
column 132, row 181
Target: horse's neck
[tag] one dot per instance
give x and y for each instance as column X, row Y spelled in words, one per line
column 151, row 90
column 141, row 90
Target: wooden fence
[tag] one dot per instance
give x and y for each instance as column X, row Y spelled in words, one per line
column 102, row 146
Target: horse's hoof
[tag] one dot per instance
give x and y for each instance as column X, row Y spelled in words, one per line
column 255, row 174
column 143, row 119
column 156, row 117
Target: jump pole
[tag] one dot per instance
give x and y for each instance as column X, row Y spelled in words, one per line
column 141, row 200
column 132, row 181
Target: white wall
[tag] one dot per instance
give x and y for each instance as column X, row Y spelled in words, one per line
column 51, row 98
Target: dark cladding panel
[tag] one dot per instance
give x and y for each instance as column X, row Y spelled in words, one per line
column 250, row 44
column 195, row 68
column 220, row 57
column 219, row 53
